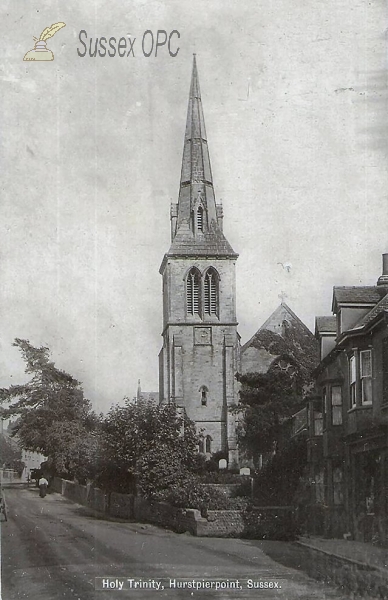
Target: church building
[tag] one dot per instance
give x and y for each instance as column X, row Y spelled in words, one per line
column 199, row 358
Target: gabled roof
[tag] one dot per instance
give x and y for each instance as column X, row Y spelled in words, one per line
column 282, row 313
column 325, row 325
column 357, row 295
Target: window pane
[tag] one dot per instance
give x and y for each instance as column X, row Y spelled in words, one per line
column 324, row 400
column 367, row 389
column 336, row 395
column 366, row 363
column 318, row 424
column 319, row 487
column 352, row 369
column 338, row 496
column 353, row 395
column 337, row 415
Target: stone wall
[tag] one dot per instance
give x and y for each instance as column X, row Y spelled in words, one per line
column 165, row 515
column 81, row 494
column 260, row 523
column 222, row 523
column 121, row 505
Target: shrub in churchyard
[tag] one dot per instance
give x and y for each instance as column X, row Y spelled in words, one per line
column 146, row 448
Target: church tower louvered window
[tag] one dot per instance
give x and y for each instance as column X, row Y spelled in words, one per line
column 192, row 292
column 200, row 219
column 211, row 293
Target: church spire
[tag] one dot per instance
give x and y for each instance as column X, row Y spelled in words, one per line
column 196, row 186
column 196, row 221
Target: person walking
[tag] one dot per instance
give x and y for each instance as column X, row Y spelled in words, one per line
column 3, row 508
column 43, row 483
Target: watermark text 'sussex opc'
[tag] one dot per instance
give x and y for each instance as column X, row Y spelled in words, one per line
column 150, row 44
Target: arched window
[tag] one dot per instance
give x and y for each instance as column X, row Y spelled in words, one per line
column 200, row 218
column 204, row 393
column 208, row 444
column 192, row 292
column 201, row 446
column 211, row 293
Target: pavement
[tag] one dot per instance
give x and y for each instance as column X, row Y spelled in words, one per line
column 54, row 549
column 360, row 553
column 358, row 568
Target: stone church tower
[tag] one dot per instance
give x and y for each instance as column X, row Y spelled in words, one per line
column 200, row 353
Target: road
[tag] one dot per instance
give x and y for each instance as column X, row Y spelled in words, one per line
column 54, row 549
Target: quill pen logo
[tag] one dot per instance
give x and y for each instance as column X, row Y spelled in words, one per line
column 41, row 52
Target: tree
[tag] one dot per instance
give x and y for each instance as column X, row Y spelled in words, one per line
column 54, row 418
column 72, row 450
column 278, row 482
column 146, row 448
column 11, row 454
column 266, row 401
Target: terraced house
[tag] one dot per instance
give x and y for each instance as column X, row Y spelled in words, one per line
column 351, row 460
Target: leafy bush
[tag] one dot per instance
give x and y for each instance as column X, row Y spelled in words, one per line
column 150, row 446
column 277, row 483
column 221, row 477
column 195, row 494
column 270, row 525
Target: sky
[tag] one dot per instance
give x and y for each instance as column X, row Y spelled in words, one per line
column 295, row 102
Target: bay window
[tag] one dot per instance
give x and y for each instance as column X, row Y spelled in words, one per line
column 336, row 405
column 366, row 376
column 353, row 381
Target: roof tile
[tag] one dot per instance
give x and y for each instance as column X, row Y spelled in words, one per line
column 212, row 243
column 376, row 310
column 363, row 294
column 326, row 324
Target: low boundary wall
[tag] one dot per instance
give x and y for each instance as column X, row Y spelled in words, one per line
column 259, row 523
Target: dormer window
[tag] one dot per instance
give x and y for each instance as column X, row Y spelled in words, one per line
column 200, row 219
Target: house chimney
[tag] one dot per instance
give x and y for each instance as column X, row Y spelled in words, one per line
column 383, row 279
